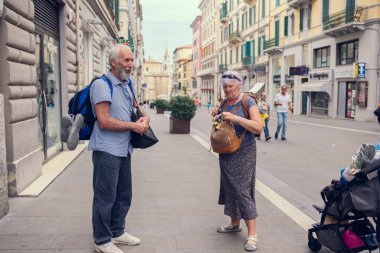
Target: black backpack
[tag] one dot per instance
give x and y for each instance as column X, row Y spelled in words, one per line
column 81, row 104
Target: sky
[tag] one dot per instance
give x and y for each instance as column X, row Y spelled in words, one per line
column 167, row 22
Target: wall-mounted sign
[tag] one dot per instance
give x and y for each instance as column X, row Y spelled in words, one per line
column 277, row 78
column 361, row 70
column 289, row 78
column 325, row 75
column 298, row 71
column 346, row 72
column 261, row 69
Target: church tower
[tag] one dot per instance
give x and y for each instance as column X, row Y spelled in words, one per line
column 166, row 66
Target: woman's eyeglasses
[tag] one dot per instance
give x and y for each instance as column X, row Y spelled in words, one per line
column 231, row 77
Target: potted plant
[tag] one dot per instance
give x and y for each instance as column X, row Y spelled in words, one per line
column 161, row 105
column 182, row 111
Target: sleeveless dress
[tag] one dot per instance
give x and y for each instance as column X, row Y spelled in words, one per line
column 238, row 172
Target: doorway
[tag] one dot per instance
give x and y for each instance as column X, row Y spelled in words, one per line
column 48, row 93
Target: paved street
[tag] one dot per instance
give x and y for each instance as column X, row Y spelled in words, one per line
column 176, row 186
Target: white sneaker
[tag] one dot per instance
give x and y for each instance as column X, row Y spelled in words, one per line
column 108, row 248
column 127, row 239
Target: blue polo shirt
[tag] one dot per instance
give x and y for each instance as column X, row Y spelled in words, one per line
column 112, row 142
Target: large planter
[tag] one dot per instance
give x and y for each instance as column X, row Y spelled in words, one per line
column 160, row 110
column 179, row 126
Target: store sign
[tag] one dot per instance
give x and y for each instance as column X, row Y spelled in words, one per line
column 289, row 78
column 361, row 70
column 348, row 72
column 261, row 69
column 277, row 78
column 51, row 48
column 298, row 71
column 325, row 75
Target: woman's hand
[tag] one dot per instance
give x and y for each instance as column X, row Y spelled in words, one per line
column 215, row 111
column 230, row 117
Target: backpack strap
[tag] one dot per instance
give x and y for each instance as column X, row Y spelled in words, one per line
column 244, row 103
column 107, row 80
column 104, row 78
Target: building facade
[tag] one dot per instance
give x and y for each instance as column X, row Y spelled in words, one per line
column 130, row 22
column 49, row 50
column 322, row 50
column 209, row 86
column 182, row 69
column 197, row 56
column 157, row 77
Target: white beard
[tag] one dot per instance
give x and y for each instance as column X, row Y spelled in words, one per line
column 124, row 75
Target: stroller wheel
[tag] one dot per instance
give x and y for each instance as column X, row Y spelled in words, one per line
column 314, row 245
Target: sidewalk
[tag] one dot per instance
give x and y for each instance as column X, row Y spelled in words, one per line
column 174, row 207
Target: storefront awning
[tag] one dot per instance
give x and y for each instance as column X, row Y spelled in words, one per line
column 317, row 87
column 257, row 87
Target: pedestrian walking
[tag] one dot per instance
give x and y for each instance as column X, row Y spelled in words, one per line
column 264, row 108
column 208, row 106
column 238, row 170
column 112, row 150
column 377, row 113
column 196, row 102
column 283, row 104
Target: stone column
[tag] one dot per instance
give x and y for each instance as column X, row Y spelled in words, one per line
column 4, row 205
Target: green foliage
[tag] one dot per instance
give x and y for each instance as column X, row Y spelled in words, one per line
column 161, row 103
column 182, row 107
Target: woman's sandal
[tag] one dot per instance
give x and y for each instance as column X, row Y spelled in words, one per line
column 251, row 244
column 229, row 229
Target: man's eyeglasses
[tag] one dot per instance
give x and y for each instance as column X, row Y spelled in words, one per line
column 231, row 77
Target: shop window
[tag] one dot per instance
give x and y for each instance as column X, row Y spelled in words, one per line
column 347, row 52
column 322, row 57
column 319, row 103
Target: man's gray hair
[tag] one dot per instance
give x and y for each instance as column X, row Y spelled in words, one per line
column 113, row 54
column 226, row 80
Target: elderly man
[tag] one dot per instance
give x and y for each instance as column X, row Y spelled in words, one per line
column 112, row 150
column 283, row 104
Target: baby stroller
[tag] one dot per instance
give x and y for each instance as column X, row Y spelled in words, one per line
column 344, row 226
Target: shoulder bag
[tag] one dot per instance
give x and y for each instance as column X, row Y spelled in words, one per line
column 223, row 135
column 147, row 139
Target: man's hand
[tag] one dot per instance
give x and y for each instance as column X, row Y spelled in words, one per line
column 144, row 120
column 140, row 127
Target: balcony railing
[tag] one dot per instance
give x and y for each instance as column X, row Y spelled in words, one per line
column 271, row 43
column 349, row 15
column 248, row 60
column 222, row 67
column 297, row 4
column 235, row 37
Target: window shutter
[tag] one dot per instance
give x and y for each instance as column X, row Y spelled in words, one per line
column 46, row 16
column 259, row 46
column 250, row 16
column 248, row 49
column 286, row 26
column 301, row 19
column 263, row 8
column 325, row 11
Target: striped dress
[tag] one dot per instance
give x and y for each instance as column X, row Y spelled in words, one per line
column 238, row 173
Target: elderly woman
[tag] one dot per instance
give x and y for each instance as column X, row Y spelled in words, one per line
column 237, row 184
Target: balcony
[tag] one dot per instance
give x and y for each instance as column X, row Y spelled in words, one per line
column 345, row 22
column 222, row 68
column 235, row 37
column 271, row 47
column 223, row 13
column 298, row 4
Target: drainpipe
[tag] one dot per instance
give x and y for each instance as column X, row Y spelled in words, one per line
column 77, row 16
column 378, row 64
